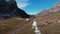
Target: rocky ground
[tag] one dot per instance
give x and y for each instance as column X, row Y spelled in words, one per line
column 49, row 24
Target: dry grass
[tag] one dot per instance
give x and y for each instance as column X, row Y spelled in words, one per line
column 51, row 27
column 27, row 30
column 10, row 25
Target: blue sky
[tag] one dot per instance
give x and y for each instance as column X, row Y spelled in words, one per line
column 35, row 6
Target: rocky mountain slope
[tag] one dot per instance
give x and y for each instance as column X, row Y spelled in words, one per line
column 8, row 8
column 49, row 11
column 16, row 22
column 49, row 20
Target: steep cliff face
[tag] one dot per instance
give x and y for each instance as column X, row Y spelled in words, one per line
column 8, row 8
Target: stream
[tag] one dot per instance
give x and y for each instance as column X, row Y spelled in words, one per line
column 35, row 27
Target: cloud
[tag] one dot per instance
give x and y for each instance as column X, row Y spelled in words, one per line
column 23, row 3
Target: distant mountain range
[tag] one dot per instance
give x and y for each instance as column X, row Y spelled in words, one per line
column 9, row 9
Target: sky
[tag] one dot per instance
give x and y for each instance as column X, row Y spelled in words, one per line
column 33, row 7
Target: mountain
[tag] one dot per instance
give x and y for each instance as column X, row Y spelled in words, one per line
column 52, row 10
column 8, row 8
column 14, row 25
column 49, row 20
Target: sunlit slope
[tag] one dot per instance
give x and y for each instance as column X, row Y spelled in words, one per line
column 49, row 24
